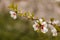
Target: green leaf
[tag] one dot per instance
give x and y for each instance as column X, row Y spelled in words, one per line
column 11, row 6
column 57, row 27
column 51, row 19
column 32, row 14
column 15, row 8
column 24, row 14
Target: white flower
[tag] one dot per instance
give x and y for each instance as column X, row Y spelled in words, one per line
column 42, row 25
column 35, row 26
column 13, row 14
column 53, row 30
column 44, row 29
column 54, row 33
column 54, row 22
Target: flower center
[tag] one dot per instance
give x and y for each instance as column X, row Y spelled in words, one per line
column 14, row 14
column 37, row 26
column 42, row 26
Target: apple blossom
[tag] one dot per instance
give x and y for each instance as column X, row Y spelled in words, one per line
column 36, row 26
column 42, row 26
column 54, row 22
column 44, row 29
column 13, row 14
column 53, row 30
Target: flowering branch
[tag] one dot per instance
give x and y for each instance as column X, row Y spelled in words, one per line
column 39, row 24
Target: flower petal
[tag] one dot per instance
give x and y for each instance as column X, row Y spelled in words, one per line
column 53, row 30
column 44, row 30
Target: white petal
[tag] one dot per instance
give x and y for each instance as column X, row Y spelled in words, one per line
column 53, row 30
column 44, row 30
column 41, row 20
column 55, row 22
column 11, row 12
column 54, row 34
column 15, row 17
column 50, row 22
column 37, row 21
column 35, row 28
column 44, row 23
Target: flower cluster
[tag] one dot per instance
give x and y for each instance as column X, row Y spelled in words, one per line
column 39, row 24
column 42, row 25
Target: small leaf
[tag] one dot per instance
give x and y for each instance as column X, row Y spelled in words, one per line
column 20, row 14
column 57, row 27
column 15, row 8
column 51, row 19
column 24, row 14
column 43, row 19
column 32, row 14
column 11, row 6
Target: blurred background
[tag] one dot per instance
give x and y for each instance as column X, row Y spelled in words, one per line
column 21, row 29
